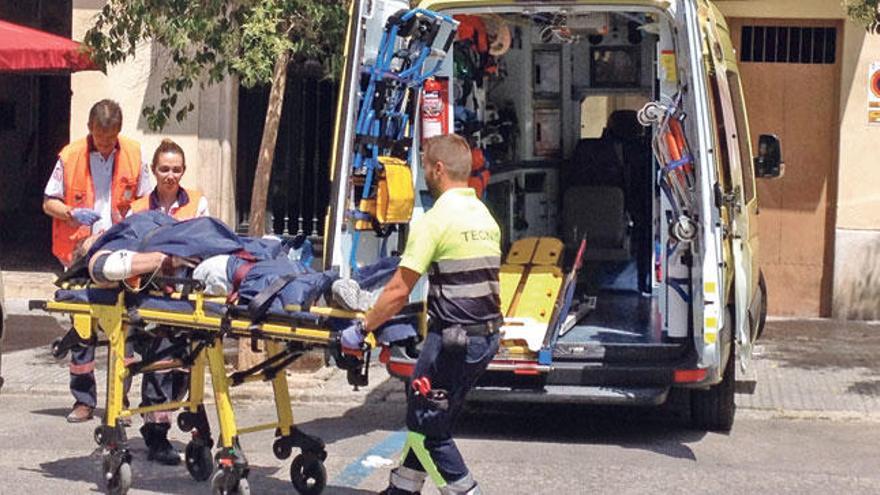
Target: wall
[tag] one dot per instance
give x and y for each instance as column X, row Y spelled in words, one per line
column 207, row 136
column 856, row 281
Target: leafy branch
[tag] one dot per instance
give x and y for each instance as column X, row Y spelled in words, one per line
column 204, row 41
column 864, row 12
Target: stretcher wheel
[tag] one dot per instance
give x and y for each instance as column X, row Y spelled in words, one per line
column 281, row 449
column 185, row 422
column 221, row 481
column 199, row 461
column 308, row 475
column 57, row 351
column 119, row 481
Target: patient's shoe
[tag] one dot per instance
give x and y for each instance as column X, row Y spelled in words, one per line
column 348, row 294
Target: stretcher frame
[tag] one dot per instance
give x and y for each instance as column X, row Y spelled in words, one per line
column 205, row 332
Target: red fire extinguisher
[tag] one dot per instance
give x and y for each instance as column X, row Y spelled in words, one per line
column 435, row 108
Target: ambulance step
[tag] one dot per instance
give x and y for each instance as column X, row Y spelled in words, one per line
column 616, row 352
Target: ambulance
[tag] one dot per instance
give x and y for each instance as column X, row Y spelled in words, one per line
column 611, row 143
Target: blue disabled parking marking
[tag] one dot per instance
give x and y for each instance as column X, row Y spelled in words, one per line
column 356, row 472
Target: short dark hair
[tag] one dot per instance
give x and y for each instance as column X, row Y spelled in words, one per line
column 451, row 149
column 106, row 114
column 168, row 146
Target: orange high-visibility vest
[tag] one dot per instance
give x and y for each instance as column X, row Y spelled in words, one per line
column 79, row 190
column 183, row 212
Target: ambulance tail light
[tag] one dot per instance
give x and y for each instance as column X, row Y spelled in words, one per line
column 689, row 376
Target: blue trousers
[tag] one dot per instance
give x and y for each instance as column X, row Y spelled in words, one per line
column 156, row 387
column 456, row 373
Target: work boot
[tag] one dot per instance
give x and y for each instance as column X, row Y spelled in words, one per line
column 405, row 481
column 397, row 491
column 464, row 486
column 159, row 448
column 80, row 413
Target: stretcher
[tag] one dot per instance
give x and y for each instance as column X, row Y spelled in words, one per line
column 205, row 322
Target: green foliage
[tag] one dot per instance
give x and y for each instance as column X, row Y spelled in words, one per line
column 206, row 40
column 864, row 12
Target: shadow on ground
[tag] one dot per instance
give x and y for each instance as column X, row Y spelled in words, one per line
column 664, row 430
column 173, row 480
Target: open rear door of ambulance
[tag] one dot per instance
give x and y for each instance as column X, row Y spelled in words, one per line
column 366, row 22
column 742, row 209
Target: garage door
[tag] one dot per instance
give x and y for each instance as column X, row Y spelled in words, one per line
column 790, row 71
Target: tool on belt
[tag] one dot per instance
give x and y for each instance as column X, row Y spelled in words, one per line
column 438, row 398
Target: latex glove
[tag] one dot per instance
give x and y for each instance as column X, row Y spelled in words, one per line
column 352, row 338
column 85, row 216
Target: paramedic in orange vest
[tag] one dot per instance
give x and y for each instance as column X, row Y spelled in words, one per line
column 168, row 166
column 92, row 187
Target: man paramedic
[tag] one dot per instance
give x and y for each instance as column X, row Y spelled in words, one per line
column 457, row 242
column 91, row 188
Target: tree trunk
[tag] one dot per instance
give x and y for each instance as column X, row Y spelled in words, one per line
column 262, row 175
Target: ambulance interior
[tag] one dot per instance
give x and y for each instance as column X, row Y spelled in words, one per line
column 551, row 100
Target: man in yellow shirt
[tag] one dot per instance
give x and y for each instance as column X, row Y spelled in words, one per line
column 457, row 242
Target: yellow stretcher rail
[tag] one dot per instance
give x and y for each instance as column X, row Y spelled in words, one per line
column 205, row 332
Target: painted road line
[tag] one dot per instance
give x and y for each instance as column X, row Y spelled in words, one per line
column 356, row 472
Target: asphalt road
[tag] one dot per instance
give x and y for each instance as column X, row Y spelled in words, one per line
column 524, row 450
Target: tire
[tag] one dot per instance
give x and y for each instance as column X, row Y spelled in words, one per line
column 220, row 481
column 714, row 409
column 199, row 461
column 244, row 488
column 120, row 481
column 308, row 475
column 762, row 317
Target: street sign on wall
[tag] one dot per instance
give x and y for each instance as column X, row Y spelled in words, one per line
column 874, row 94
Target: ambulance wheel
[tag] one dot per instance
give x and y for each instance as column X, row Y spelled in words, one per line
column 762, row 316
column 714, row 409
column 308, row 475
column 199, row 461
column 119, row 481
column 221, row 481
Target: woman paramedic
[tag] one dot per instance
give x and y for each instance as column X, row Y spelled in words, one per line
column 168, row 166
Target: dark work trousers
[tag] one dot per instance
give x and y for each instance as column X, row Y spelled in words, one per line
column 160, row 387
column 82, row 375
column 156, row 387
column 455, row 372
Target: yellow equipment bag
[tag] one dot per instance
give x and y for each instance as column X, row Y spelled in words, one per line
column 395, row 196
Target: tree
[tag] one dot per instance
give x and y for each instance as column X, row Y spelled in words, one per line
column 865, row 12
column 207, row 40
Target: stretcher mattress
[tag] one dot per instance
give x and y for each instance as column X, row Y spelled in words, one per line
column 398, row 329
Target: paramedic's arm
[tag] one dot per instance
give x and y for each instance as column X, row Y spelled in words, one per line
column 56, row 208
column 394, row 297
column 421, row 245
column 53, row 205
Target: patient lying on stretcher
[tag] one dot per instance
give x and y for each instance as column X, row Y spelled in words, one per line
column 246, row 270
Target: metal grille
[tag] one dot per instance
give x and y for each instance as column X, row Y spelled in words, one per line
column 789, row 44
column 299, row 190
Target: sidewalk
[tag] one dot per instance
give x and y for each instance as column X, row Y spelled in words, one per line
column 809, row 368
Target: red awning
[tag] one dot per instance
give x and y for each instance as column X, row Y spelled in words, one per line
column 28, row 50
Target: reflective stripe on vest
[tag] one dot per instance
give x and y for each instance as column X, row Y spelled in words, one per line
column 185, row 212
column 79, row 190
column 465, row 291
